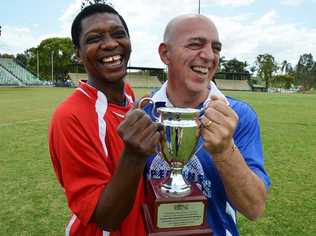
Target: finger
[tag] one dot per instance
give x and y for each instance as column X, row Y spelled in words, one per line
column 154, row 139
column 126, row 128
column 227, row 122
column 205, row 121
column 220, row 132
column 218, row 98
column 206, row 126
column 149, row 138
column 132, row 116
column 148, row 131
column 217, row 101
column 214, row 115
column 208, row 135
column 210, row 126
column 138, row 127
column 223, row 108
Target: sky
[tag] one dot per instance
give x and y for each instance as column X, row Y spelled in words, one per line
column 285, row 28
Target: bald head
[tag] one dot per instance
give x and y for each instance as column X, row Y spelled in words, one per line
column 191, row 51
column 182, row 21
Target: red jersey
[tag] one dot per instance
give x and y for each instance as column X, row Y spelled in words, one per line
column 85, row 149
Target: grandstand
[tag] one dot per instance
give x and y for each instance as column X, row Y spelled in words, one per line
column 237, row 85
column 142, row 80
column 7, row 79
column 143, row 77
column 233, row 81
column 12, row 74
column 137, row 77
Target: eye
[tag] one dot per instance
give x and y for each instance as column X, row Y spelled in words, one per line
column 217, row 47
column 194, row 45
column 119, row 34
column 93, row 38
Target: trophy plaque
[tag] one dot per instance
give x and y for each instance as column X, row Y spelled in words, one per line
column 173, row 207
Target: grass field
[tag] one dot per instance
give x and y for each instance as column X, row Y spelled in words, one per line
column 32, row 203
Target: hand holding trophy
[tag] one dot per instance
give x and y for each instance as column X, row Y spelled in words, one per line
column 174, row 207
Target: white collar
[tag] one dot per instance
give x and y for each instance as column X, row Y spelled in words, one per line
column 161, row 94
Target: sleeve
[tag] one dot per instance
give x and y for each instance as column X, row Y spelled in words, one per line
column 248, row 140
column 79, row 165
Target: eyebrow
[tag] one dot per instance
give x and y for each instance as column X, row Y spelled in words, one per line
column 98, row 30
column 218, row 43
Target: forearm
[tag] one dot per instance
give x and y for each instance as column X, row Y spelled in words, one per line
column 244, row 189
column 118, row 197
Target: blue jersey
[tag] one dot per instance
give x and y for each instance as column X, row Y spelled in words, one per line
column 200, row 169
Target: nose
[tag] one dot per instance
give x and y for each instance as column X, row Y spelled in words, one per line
column 109, row 43
column 207, row 53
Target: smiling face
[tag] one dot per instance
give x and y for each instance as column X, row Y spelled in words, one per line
column 191, row 51
column 104, row 48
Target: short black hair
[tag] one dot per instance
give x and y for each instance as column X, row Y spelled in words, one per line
column 88, row 11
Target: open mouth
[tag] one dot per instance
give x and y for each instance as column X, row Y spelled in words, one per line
column 112, row 60
column 200, row 70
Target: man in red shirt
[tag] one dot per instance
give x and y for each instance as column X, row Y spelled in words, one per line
column 98, row 145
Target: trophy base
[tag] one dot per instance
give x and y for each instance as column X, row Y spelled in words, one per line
column 175, row 216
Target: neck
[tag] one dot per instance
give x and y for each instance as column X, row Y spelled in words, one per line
column 181, row 98
column 113, row 91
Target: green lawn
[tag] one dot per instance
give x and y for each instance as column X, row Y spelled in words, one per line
column 32, row 203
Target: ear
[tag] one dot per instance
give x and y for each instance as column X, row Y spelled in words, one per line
column 77, row 55
column 164, row 53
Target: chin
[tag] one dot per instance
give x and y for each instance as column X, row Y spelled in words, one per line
column 198, row 87
column 115, row 77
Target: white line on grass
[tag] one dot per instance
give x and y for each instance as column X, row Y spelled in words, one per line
column 21, row 122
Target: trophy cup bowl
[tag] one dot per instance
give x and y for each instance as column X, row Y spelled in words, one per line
column 179, row 139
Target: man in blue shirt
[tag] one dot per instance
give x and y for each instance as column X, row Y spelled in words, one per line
column 229, row 168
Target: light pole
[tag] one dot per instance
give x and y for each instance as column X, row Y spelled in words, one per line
column 52, row 59
column 37, row 63
column 199, row 7
column 60, row 53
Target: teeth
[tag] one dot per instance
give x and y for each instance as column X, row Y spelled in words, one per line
column 118, row 57
column 200, row 69
column 107, row 59
column 117, row 62
column 111, row 59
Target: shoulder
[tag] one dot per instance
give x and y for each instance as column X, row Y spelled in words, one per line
column 74, row 107
column 244, row 110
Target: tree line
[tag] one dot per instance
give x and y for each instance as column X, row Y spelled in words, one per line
column 53, row 58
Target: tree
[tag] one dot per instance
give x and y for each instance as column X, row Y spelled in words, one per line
column 266, row 67
column 306, row 71
column 235, row 66
column 90, row 2
column 283, row 81
column 56, row 50
column 5, row 55
column 221, row 62
column 21, row 59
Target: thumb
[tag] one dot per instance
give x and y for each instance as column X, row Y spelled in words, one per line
column 219, row 98
column 215, row 98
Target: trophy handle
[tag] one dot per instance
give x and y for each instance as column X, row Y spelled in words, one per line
column 150, row 100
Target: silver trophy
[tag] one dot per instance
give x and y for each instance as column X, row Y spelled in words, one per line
column 178, row 144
